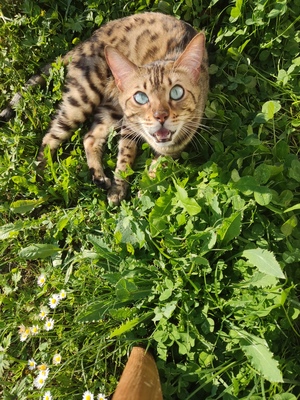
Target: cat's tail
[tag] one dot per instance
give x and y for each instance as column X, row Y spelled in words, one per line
column 35, row 80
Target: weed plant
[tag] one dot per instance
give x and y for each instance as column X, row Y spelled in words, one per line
column 201, row 263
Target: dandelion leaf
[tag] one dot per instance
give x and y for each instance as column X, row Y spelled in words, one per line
column 261, row 280
column 260, row 356
column 11, row 230
column 37, row 251
column 129, row 325
column 26, row 206
column 127, row 290
column 265, row 261
column 102, row 249
column 96, row 311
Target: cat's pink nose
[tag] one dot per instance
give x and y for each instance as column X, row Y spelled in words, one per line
column 161, row 115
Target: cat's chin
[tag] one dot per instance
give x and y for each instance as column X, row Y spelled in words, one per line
column 163, row 135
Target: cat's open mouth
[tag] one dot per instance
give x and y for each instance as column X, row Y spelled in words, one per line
column 163, row 135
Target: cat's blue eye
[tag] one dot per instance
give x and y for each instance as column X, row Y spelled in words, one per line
column 141, row 98
column 176, row 93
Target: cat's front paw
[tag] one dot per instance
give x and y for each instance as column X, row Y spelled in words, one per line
column 100, row 179
column 117, row 192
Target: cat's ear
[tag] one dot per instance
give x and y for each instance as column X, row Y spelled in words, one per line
column 121, row 68
column 192, row 57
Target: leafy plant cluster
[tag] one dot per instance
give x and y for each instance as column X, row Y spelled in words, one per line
column 200, row 263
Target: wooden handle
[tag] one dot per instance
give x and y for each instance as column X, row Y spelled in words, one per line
column 140, row 379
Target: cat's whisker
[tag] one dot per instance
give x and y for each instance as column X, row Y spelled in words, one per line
column 197, row 137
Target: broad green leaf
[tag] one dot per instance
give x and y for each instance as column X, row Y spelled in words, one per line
column 260, row 356
column 9, row 231
column 123, row 313
column 62, row 223
column 270, row 108
column 97, row 310
column 289, row 225
column 106, row 305
column 265, row 261
column 260, row 280
column 112, row 277
column 131, row 231
column 295, row 207
column 207, row 239
column 165, row 311
column 260, row 118
column 252, row 140
column 284, row 396
column 236, row 11
column 230, row 228
column 26, row 206
column 189, row 204
column 127, row 290
column 294, row 171
column 164, row 7
column 284, row 199
column 129, row 325
column 158, row 217
column 36, row 251
column 102, row 249
column 166, row 294
column 206, row 359
column 247, row 185
column 281, row 150
column 264, row 172
column 263, row 196
column 168, row 291
column 291, row 256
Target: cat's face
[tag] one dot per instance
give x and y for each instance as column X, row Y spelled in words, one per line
column 163, row 101
column 164, row 112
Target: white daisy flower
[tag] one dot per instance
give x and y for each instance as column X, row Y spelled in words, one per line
column 49, row 324
column 42, row 367
column 47, row 396
column 41, row 280
column 54, row 301
column 23, row 337
column 101, row 397
column 22, row 328
column 62, row 294
column 31, row 364
column 56, row 359
column 39, row 381
column 44, row 373
column 34, row 330
column 87, row 395
column 24, row 333
column 44, row 311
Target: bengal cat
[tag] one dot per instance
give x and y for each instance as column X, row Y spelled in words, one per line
column 146, row 73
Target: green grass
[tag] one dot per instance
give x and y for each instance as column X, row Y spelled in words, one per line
column 200, row 263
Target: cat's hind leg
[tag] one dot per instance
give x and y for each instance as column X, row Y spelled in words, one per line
column 81, row 97
column 76, row 106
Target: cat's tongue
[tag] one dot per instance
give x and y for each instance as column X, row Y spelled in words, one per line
column 163, row 135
